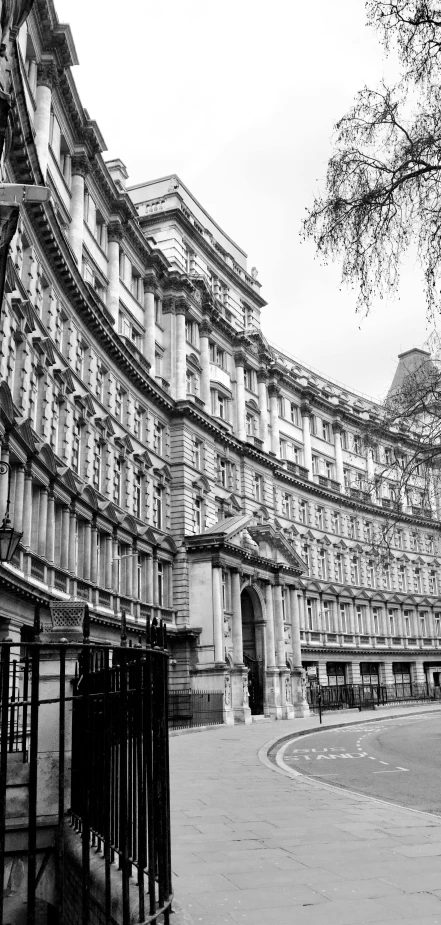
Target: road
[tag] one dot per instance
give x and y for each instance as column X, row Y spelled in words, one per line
column 397, row 760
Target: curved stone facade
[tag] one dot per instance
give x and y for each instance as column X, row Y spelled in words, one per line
column 167, row 460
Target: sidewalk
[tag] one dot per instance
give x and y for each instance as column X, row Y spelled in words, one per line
column 252, row 845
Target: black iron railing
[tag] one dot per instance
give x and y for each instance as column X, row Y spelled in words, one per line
column 194, row 708
column 363, row 696
column 106, row 710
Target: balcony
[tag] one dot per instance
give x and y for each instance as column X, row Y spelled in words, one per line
column 390, row 504
column 419, row 511
column 359, row 494
column 255, row 441
column 295, row 469
column 326, row 482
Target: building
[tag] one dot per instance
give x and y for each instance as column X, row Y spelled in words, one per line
column 165, row 459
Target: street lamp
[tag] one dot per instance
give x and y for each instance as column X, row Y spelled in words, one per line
column 9, row 538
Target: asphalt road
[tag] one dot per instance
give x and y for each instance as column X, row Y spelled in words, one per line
column 397, row 760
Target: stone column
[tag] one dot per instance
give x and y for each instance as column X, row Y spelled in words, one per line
column 134, row 565
column 50, row 533
column 338, row 454
column 19, row 498
column 237, row 618
column 295, row 629
column 116, row 565
column 87, row 546
column 263, row 408
column 306, row 426
column 155, row 578
column 72, row 541
column 150, row 321
column 370, row 471
column 94, row 553
column 270, row 641
column 27, row 507
column 108, row 561
column 149, row 588
column 114, row 234
column 42, row 117
column 42, row 521
column 181, row 362
column 239, row 359
column 204, row 342
column 76, row 227
column 274, row 393
column 218, row 616
column 64, row 552
column 279, row 630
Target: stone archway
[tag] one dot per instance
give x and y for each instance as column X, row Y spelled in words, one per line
column 253, row 647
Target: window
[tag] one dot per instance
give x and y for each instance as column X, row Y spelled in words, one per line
column 413, row 540
column 250, row 425
column 136, row 285
column 294, row 414
column 217, row 356
column 407, row 622
column 361, row 620
column 191, row 332
column 336, row 673
column 319, row 518
column 351, row 528
column 313, row 424
column 191, row 382
column 322, row 565
column 79, row 359
column 430, row 545
column 281, row 406
column 423, row 623
column 117, row 481
column 250, row 379
column 160, row 568
column 138, row 415
column 437, row 624
column 386, row 577
column 303, row 512
column 137, row 494
column 76, row 447
column 370, row 574
column 219, row 406
column 197, row 453
column 283, row 445
column 97, row 465
column 54, row 425
column 355, row 570
column 118, row 401
column 257, row 487
column 311, row 612
column 357, row 444
column 399, row 539
column 328, row 616
column 367, row 531
column 158, row 437
column 433, row 583
column 329, row 469
column 336, row 522
column 326, row 431
column 99, row 381
column 306, row 557
column 387, row 452
column 197, row 515
column 391, row 615
column 402, row 578
column 344, row 617
column 157, row 506
column 339, row 568
column 417, row 584
column 376, row 620
column 315, row 465
column 347, row 478
column 369, row 673
column 286, row 504
column 222, row 470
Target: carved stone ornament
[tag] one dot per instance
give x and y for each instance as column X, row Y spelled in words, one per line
column 80, row 165
column 245, row 691
column 288, row 693
column 227, row 690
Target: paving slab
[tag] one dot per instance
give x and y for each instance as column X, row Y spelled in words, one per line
column 253, row 845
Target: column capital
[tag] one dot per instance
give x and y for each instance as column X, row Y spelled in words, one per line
column 240, row 357
column 273, row 390
column 151, row 282
column 80, row 165
column 262, row 375
column 181, row 306
column 305, row 409
column 237, row 570
column 114, row 232
column 46, row 74
column 205, row 328
column 337, row 426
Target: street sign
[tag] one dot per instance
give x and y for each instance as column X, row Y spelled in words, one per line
column 14, row 193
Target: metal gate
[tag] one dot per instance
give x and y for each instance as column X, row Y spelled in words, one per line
column 255, row 684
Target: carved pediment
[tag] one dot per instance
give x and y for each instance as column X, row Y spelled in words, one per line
column 90, row 496
column 69, row 480
column 105, row 425
column 22, row 310
column 168, row 543
column 110, row 511
column 202, row 485
column 44, row 349
column 143, row 460
column 6, row 404
column 130, row 524
column 46, row 456
column 28, row 435
column 64, row 379
column 163, row 474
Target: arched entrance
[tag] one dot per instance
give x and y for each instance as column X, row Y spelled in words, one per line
column 253, row 648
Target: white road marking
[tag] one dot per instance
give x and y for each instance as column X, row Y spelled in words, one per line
column 390, row 771
column 402, row 769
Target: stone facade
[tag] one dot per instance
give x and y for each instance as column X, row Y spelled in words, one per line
column 166, row 460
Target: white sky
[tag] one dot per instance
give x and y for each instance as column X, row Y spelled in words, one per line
column 239, row 99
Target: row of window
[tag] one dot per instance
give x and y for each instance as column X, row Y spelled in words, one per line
column 337, row 619
column 333, row 569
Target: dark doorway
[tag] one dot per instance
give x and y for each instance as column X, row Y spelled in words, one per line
column 252, row 650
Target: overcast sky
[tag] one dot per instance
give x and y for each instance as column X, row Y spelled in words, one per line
column 239, row 99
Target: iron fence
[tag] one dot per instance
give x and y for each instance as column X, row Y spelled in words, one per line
column 106, row 710
column 194, row 708
column 365, row 696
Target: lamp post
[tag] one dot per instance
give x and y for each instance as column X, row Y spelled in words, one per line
column 9, row 538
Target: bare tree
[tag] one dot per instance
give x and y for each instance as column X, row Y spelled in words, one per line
column 383, row 183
